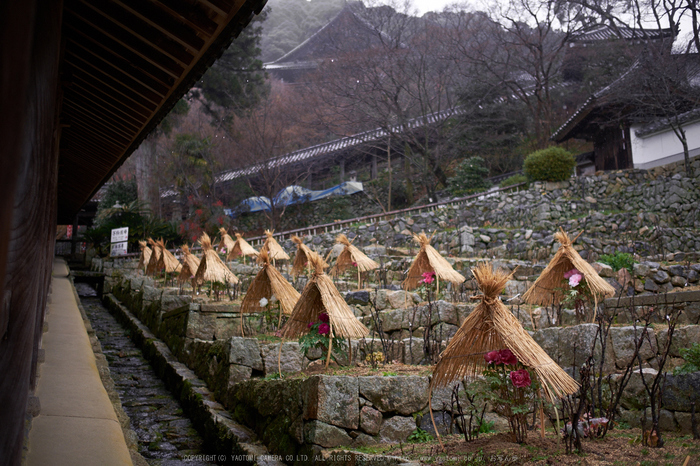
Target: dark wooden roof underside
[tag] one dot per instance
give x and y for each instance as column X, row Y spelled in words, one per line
column 125, row 65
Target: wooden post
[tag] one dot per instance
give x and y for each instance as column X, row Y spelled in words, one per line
column 330, row 345
column 359, row 279
column 349, row 352
column 437, row 284
column 279, row 359
column 279, row 322
column 242, row 323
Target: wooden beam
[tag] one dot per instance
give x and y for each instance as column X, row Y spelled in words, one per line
column 107, row 98
column 222, row 7
column 195, row 15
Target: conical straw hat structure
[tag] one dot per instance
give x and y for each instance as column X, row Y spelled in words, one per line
column 145, row 256
column 429, row 260
column 226, row 243
column 491, row 326
column 211, row 267
column 351, row 255
column 156, row 252
column 320, row 295
column 190, row 264
column 550, row 287
column 167, row 261
column 274, row 250
column 269, row 281
column 303, row 256
column 241, row 247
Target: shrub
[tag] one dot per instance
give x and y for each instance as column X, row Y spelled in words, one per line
column 513, row 180
column 619, row 260
column 551, row 164
column 470, row 177
column 692, row 360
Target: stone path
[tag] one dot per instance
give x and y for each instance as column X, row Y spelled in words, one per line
column 166, row 437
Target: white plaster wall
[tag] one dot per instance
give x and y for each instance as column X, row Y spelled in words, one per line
column 663, row 147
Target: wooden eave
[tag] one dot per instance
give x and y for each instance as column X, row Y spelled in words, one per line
column 125, row 64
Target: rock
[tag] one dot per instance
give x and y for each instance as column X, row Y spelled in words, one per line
column 443, row 421
column 635, row 395
column 500, row 424
column 467, row 239
column 604, row 270
column 590, row 199
column 332, row 399
column 570, row 346
column 357, row 297
column 650, row 285
column 363, row 440
column 397, row 429
column 401, row 394
column 678, row 270
column 413, row 350
column 684, row 422
column 380, row 300
column 291, row 359
column 370, row 420
column 395, row 319
column 238, row 373
column 325, row 435
column 683, row 337
column 623, row 345
column 245, row 352
column 640, row 270
column 485, row 238
column 680, row 391
column 402, row 299
column 528, row 234
column 660, row 277
column 678, row 281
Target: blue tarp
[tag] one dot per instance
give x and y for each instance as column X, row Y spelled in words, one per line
column 294, row 195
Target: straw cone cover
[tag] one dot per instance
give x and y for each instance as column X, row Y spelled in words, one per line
column 429, row 260
column 190, row 264
column 156, row 252
column 274, row 250
column 226, row 241
column 241, row 247
column 550, row 285
column 320, row 295
column 145, row 256
column 303, row 255
column 351, row 255
column 211, row 267
column 268, row 282
column 491, row 326
column 167, row 261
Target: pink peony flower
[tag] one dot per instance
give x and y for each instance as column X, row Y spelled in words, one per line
column 520, row 378
column 354, row 264
column 324, row 329
column 493, row 357
column 572, row 272
column 428, row 277
column 323, row 317
column 575, row 279
column 507, row 357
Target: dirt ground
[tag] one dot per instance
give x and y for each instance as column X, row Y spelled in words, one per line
column 620, row 447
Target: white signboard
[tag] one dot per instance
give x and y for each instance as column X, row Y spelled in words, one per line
column 118, row 249
column 120, row 234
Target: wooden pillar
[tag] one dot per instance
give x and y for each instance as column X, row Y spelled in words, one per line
column 74, row 237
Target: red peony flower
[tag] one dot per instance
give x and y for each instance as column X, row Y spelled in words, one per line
column 493, row 357
column 323, row 317
column 311, row 324
column 520, row 378
column 507, row 357
column 324, row 329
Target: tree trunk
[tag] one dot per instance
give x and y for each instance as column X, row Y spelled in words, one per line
column 388, row 161
column 146, row 181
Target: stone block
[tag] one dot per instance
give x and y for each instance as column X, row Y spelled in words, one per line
column 363, row 440
column 357, row 297
column 641, row 270
column 326, row 435
column 604, row 270
column 399, row 394
column 237, row 373
column 635, row 396
column 660, row 277
column 413, row 350
column 683, row 337
column 245, row 352
column 443, row 422
column 571, row 346
column 333, row 400
column 397, row 429
column 402, row 299
column 623, row 345
column 370, row 420
column 680, row 391
column 290, row 359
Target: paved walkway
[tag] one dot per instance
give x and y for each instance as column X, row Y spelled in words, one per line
column 77, row 424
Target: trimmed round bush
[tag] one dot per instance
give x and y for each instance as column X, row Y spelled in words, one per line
column 550, row 164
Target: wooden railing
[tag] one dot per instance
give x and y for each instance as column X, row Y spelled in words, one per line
column 338, row 225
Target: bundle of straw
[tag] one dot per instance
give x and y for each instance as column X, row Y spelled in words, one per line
column 241, row 247
column 303, row 257
column 491, row 326
column 273, row 248
column 190, row 264
column 320, row 295
column 351, row 256
column 156, row 252
column 268, row 282
column 167, row 261
column 550, row 287
column 226, row 243
column 429, row 260
column 211, row 267
column 145, row 256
